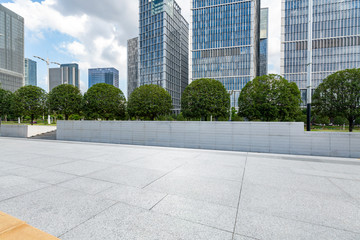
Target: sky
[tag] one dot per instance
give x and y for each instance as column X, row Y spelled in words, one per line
column 94, row 34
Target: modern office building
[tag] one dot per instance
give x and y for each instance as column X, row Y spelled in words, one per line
column 66, row 74
column 164, row 47
column 264, row 34
column 104, row 75
column 11, row 50
column 54, row 78
column 133, row 65
column 225, row 42
column 336, row 40
column 30, row 72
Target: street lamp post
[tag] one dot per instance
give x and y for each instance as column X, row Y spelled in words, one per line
column 309, row 65
column 47, row 61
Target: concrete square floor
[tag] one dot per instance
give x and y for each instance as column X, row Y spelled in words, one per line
column 104, row 191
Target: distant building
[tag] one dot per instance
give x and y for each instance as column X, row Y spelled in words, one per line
column 54, row 78
column 164, row 47
column 264, row 29
column 133, row 65
column 225, row 43
column 104, row 75
column 336, row 40
column 11, row 50
column 30, row 72
column 66, row 74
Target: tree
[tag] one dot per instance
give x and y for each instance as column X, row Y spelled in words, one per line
column 339, row 95
column 149, row 102
column 270, row 98
column 30, row 101
column 65, row 99
column 5, row 102
column 204, row 98
column 340, row 120
column 104, row 101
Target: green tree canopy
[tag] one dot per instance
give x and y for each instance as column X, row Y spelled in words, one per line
column 30, row 101
column 339, row 95
column 104, row 101
column 270, row 98
column 204, row 98
column 65, row 99
column 149, row 102
column 5, row 102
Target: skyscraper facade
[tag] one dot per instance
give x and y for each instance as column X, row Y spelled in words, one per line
column 54, row 78
column 104, row 75
column 133, row 65
column 30, row 72
column 70, row 74
column 225, row 42
column 66, row 74
column 11, row 50
column 163, row 47
column 336, row 39
column 264, row 33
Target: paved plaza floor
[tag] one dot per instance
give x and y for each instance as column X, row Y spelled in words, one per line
column 85, row 191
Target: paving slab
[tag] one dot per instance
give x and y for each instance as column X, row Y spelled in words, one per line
column 334, row 211
column 12, row 186
column 133, row 196
column 351, row 187
column 87, row 185
column 260, row 226
column 212, row 215
column 80, row 168
column 131, row 223
column 131, row 176
column 55, row 210
column 53, row 177
column 217, row 191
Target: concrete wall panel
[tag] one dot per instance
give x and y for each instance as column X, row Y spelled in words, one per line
column 285, row 138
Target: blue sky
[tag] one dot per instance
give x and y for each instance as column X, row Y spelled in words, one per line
column 95, row 33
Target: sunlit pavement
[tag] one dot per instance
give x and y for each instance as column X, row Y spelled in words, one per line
column 103, row 191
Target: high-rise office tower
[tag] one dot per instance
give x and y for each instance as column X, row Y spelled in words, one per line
column 30, row 72
column 163, row 47
column 66, row 74
column 264, row 33
column 336, row 39
column 54, row 78
column 104, row 75
column 225, row 42
column 133, row 65
column 11, row 50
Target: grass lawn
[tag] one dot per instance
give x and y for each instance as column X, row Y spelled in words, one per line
column 39, row 123
column 332, row 129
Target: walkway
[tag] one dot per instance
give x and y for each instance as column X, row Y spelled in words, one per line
column 85, row 191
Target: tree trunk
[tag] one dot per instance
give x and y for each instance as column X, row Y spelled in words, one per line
column 66, row 117
column 32, row 119
column 351, row 124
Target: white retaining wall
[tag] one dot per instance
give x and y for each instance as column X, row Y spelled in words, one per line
column 286, row 138
column 24, row 131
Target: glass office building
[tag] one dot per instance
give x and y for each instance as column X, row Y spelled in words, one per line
column 133, row 65
column 225, row 42
column 11, row 50
column 66, row 74
column 264, row 33
column 336, row 39
column 104, row 75
column 30, row 72
column 163, row 47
